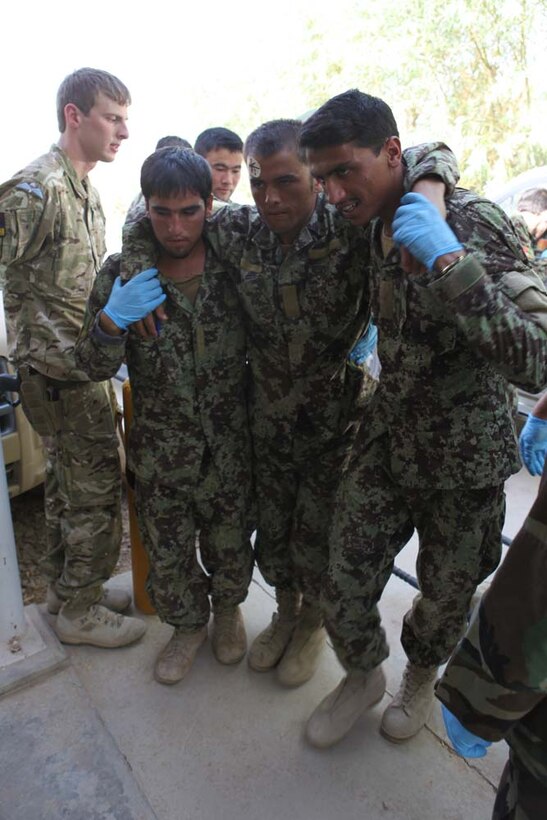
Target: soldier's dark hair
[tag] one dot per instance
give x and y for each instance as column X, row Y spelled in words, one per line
column 167, row 142
column 350, row 117
column 175, row 171
column 214, row 138
column 533, row 200
column 273, row 136
column 82, row 88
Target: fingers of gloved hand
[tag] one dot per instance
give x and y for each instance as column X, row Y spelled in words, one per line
column 419, row 227
column 464, row 742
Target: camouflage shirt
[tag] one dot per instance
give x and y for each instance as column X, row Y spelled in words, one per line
column 306, row 309
column 51, row 247
column 448, row 344
column 496, row 680
column 188, row 384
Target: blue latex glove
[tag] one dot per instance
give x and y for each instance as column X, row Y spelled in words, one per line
column 464, row 742
column 419, row 226
column 543, row 254
column 364, row 346
column 135, row 299
column 533, row 444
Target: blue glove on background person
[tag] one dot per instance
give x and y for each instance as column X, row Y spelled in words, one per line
column 364, row 347
column 135, row 299
column 419, row 226
column 464, row 742
column 533, row 444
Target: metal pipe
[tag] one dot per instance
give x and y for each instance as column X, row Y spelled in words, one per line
column 12, row 616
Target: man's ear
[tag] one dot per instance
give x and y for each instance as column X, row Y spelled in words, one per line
column 392, row 147
column 73, row 115
column 209, row 206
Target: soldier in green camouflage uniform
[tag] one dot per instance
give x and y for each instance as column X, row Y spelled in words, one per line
column 439, row 440
column 51, row 246
column 496, row 680
column 530, row 223
column 189, row 446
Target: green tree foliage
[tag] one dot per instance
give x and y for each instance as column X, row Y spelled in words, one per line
column 472, row 72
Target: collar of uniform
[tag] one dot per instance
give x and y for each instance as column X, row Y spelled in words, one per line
column 79, row 185
column 377, row 256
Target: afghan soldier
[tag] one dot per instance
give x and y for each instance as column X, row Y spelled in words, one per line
column 51, row 247
column 495, row 684
column 223, row 150
column 300, row 276
column 138, row 207
column 530, row 223
column 189, row 447
column 439, row 439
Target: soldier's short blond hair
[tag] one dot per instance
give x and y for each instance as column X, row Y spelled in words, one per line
column 82, row 88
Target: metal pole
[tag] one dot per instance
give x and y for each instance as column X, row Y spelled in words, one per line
column 12, row 616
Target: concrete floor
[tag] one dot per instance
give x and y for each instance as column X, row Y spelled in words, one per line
column 101, row 740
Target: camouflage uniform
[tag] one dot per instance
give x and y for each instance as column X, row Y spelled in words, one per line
column 188, row 445
column 304, row 311
column 496, row 681
column 440, row 438
column 51, row 246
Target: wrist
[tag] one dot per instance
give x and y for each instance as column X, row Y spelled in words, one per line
column 446, row 261
column 108, row 325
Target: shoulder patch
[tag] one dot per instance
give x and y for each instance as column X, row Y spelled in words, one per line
column 2, row 225
column 31, row 188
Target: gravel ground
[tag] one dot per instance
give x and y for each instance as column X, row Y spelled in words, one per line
column 27, row 512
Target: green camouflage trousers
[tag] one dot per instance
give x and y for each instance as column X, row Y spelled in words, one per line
column 169, row 519
column 520, row 796
column 459, row 545
column 82, row 493
column 295, row 494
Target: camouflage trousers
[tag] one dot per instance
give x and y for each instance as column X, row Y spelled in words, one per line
column 459, row 545
column 82, row 493
column 295, row 494
column 520, row 796
column 169, row 519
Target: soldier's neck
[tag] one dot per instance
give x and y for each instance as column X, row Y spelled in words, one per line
column 180, row 269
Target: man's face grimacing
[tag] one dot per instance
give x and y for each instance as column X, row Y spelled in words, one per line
column 360, row 182
column 225, row 170
column 284, row 192
column 178, row 221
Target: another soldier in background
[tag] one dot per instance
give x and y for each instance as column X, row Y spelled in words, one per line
column 51, row 246
column 189, row 446
column 223, row 150
column 439, row 438
column 530, row 223
column 137, row 207
column 495, row 684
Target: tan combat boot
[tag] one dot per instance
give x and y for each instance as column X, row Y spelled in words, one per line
column 301, row 658
column 268, row 647
column 97, row 626
column 176, row 659
column 411, row 706
column 229, row 640
column 117, row 600
column 339, row 711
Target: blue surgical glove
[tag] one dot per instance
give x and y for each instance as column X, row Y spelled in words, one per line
column 543, row 254
column 533, row 444
column 419, row 226
column 364, row 346
column 135, row 299
column 464, row 742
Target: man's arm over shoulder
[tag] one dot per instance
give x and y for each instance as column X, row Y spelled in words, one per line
column 99, row 352
column 494, row 296
column 433, row 160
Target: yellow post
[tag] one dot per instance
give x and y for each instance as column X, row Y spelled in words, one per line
column 139, row 558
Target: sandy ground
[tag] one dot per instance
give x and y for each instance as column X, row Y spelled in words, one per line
column 27, row 512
